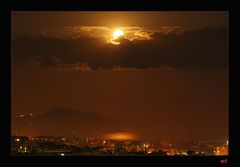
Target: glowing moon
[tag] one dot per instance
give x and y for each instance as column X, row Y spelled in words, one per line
column 117, row 33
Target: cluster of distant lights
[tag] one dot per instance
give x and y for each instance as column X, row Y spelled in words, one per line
column 22, row 115
column 25, row 148
column 116, row 34
column 104, row 142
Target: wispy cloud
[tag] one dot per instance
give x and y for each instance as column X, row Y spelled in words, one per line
column 141, row 33
column 86, row 48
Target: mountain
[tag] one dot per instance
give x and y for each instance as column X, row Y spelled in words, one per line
column 65, row 122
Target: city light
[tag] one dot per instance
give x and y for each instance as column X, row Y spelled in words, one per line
column 109, row 147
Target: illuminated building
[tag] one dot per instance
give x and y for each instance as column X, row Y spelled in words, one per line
column 221, row 150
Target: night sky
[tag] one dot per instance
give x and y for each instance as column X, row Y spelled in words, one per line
column 165, row 78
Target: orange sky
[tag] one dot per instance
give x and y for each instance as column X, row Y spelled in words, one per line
column 166, row 86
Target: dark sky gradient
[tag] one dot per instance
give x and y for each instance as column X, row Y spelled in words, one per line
column 39, row 20
column 171, row 86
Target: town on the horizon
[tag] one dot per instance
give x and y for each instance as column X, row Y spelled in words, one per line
column 112, row 144
column 62, row 146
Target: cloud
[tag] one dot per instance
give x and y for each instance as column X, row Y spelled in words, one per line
column 106, row 31
column 174, row 48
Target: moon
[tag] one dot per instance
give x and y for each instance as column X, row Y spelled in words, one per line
column 117, row 33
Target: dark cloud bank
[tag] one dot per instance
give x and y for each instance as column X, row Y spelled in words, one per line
column 205, row 47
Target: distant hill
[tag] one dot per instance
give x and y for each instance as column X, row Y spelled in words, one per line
column 64, row 122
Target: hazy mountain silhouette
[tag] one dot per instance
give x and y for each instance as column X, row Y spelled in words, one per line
column 65, row 122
